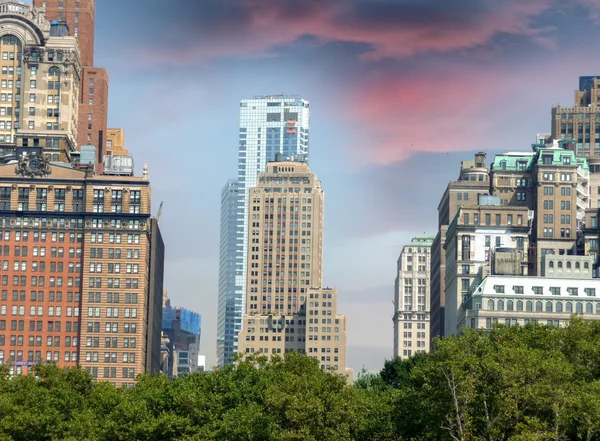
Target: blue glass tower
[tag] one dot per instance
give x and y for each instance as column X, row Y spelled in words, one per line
column 268, row 125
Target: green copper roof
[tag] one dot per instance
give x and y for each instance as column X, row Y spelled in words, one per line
column 510, row 162
column 526, row 162
column 423, row 240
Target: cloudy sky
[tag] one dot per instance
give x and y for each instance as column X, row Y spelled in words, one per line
column 400, row 92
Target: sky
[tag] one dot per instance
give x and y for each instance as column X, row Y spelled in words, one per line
column 401, row 91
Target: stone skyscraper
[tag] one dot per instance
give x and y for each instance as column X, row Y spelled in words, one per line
column 286, row 307
column 268, row 125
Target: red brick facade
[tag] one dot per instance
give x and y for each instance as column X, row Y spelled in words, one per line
column 93, row 110
column 81, row 17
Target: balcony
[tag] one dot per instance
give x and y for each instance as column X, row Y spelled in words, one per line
column 581, row 204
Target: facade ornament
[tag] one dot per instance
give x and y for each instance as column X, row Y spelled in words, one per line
column 89, row 171
column 145, row 173
column 33, row 166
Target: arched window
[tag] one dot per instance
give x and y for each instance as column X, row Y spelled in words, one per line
column 559, row 264
column 54, row 71
column 490, row 305
column 579, row 308
column 548, row 306
column 519, row 305
column 538, row 306
column 500, row 305
column 551, row 264
column 11, row 40
column 586, row 265
column 510, row 306
column 568, row 265
column 559, row 307
column 589, row 308
column 569, row 307
column 577, row 265
column 529, row 306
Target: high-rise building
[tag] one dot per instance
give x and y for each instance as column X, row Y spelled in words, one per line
column 40, row 77
column 473, row 180
column 82, row 270
column 412, row 298
column 268, row 125
column 80, row 15
column 581, row 122
column 286, row 307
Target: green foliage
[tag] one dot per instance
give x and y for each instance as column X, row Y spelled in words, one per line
column 520, row 384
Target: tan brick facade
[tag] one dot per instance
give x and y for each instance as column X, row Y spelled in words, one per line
column 286, row 308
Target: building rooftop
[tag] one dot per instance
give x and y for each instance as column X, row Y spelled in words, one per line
column 487, row 285
column 524, row 161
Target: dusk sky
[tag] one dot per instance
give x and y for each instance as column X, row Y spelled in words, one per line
column 400, row 92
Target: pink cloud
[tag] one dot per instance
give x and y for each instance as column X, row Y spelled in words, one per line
column 434, row 113
column 392, row 29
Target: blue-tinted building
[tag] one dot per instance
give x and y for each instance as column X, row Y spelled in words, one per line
column 181, row 330
column 268, row 125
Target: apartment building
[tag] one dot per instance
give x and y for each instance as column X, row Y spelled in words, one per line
column 412, row 298
column 473, row 180
column 82, row 269
column 489, row 239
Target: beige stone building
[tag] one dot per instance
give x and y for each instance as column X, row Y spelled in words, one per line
column 489, row 239
column 40, row 75
column 580, row 123
column 473, row 180
column 412, row 298
column 510, row 301
column 286, row 307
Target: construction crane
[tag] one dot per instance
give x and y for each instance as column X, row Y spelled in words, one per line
column 159, row 212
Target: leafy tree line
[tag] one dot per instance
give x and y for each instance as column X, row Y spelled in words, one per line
column 519, row 383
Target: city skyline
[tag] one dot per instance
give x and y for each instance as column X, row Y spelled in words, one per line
column 447, row 95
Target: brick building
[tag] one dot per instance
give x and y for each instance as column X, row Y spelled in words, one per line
column 82, row 268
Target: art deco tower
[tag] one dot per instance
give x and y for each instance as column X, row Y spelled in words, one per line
column 286, row 307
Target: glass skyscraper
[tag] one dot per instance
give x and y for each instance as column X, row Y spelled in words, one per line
column 268, row 125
